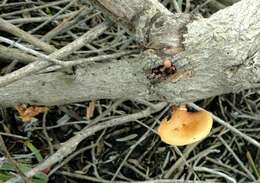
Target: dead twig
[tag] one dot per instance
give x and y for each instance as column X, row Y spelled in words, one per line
column 61, row 53
column 14, row 136
column 231, row 128
column 89, row 60
column 54, row 16
column 208, row 170
column 10, row 28
column 47, row 138
column 66, row 24
column 45, row 5
column 187, row 8
column 240, row 163
column 27, row 20
column 31, row 51
column 16, row 55
column 176, row 6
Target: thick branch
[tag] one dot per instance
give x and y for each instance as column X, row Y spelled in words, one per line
column 221, row 56
column 149, row 21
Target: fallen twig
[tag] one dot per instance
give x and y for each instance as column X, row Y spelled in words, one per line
column 16, row 55
column 8, row 27
column 61, row 53
column 231, row 128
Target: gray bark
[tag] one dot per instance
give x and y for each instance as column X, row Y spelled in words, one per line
column 221, row 55
column 148, row 20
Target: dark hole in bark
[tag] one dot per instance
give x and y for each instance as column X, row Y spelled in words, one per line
column 158, row 24
column 162, row 72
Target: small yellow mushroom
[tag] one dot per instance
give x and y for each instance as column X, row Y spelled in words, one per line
column 185, row 127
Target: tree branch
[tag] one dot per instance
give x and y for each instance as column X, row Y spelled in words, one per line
column 148, row 20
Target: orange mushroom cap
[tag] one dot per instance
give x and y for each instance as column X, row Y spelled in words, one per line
column 185, row 127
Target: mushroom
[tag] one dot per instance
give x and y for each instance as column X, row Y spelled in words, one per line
column 185, row 127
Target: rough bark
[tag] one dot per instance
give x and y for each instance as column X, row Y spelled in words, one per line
column 148, row 21
column 221, row 56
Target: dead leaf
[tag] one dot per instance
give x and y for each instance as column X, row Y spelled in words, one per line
column 27, row 113
column 90, row 109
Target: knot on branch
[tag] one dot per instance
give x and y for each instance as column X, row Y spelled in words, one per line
column 167, row 31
